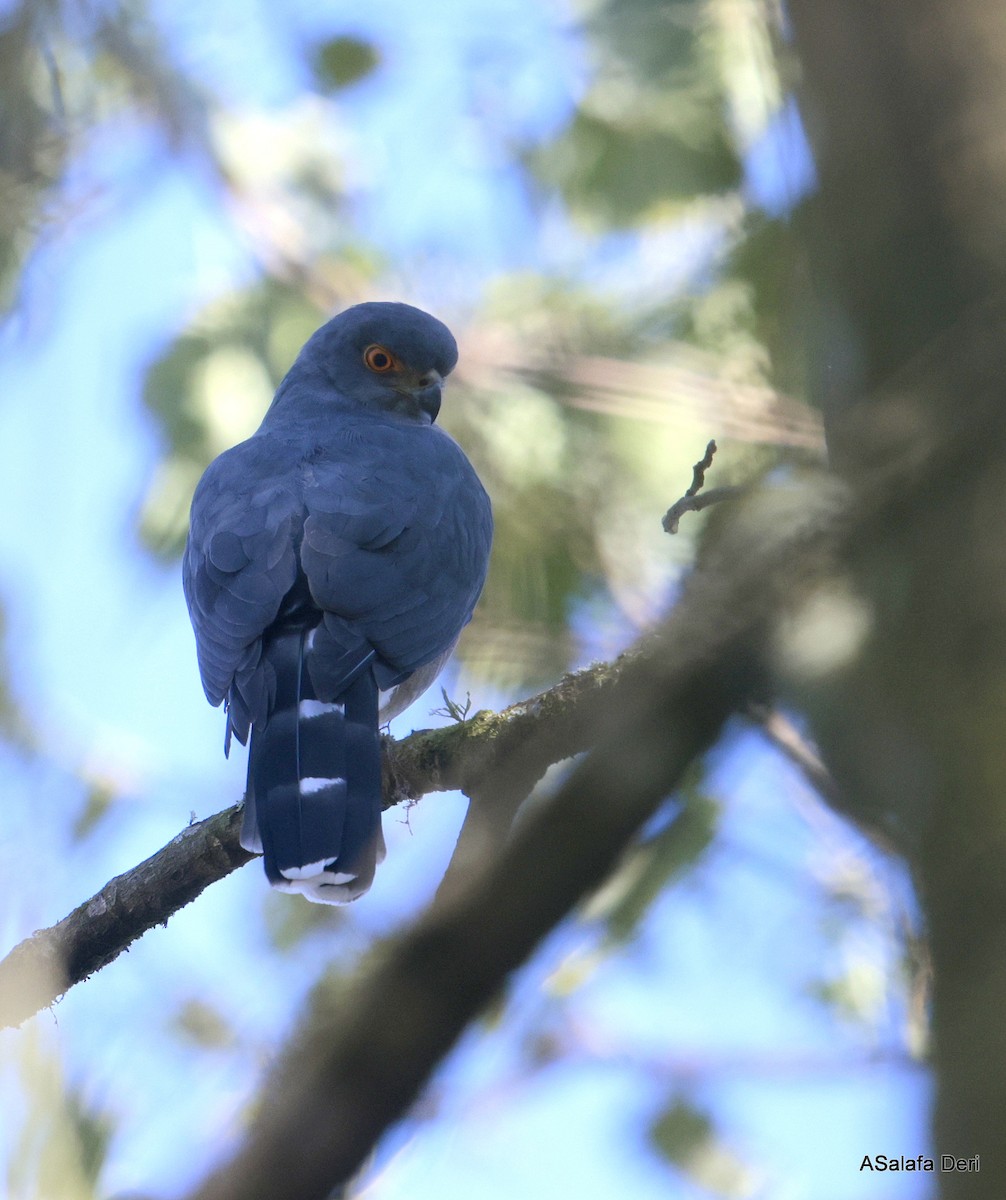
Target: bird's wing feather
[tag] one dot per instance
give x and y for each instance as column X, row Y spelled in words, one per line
column 398, row 556
column 395, row 558
column 240, row 561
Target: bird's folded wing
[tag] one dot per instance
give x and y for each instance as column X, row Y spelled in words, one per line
column 395, row 556
column 240, row 562
column 400, row 557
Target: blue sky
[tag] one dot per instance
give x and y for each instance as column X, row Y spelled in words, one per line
column 714, row 995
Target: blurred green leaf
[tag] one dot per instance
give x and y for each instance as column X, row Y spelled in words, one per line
column 863, row 963
column 857, row 994
column 656, row 37
column 770, row 259
column 169, row 381
column 657, row 862
column 343, row 61
column 93, row 1131
column 288, row 924
column 210, row 389
column 621, row 172
column 680, row 1131
column 101, row 795
column 32, row 146
column 199, row 1023
column 14, row 725
column 687, row 1139
column 651, row 131
column 60, row 1140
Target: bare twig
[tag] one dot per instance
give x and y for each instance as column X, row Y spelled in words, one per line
column 692, row 500
column 696, row 503
column 700, row 468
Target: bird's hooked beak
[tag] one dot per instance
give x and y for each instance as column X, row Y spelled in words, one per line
column 426, row 394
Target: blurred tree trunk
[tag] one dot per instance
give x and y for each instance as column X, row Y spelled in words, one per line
column 905, row 103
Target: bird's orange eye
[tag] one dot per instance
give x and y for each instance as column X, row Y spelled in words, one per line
column 379, row 359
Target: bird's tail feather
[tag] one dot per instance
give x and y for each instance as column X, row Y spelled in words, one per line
column 313, row 800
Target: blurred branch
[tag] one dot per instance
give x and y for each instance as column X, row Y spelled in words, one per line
column 494, row 802
column 688, row 383
column 44, row 966
column 495, row 755
column 904, row 103
column 782, row 732
column 362, row 1055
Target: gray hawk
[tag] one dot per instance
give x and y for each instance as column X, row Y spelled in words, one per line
column 334, row 558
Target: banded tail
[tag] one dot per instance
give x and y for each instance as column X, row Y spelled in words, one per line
column 313, row 798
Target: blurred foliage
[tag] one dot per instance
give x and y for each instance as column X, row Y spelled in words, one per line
column 581, row 400
column 202, row 1024
column 61, row 76
column 686, row 1138
column 62, row 1140
column 650, row 133
column 858, row 990
column 32, row 147
column 211, row 388
column 344, row 61
column 658, row 861
column 770, row 261
column 875, row 965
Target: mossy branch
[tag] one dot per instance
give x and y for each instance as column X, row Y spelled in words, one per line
column 48, row 963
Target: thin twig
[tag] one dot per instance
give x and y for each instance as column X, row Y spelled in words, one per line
column 700, row 468
column 692, row 500
column 696, row 503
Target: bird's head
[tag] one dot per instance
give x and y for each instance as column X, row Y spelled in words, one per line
column 386, row 358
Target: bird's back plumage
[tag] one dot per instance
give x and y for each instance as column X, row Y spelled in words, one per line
column 335, row 555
